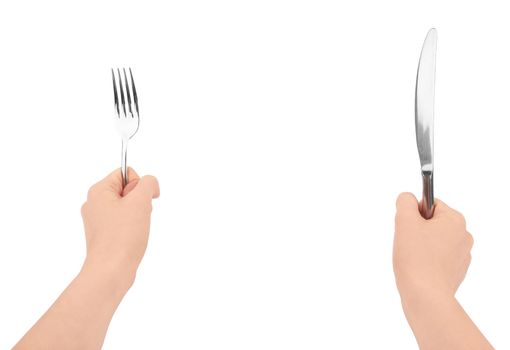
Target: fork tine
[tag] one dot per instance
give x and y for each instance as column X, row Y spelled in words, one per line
column 135, row 96
column 115, row 95
column 121, row 92
column 127, row 93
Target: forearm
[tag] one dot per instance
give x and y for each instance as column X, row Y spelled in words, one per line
column 79, row 318
column 441, row 323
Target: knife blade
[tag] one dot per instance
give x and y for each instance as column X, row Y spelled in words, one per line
column 424, row 119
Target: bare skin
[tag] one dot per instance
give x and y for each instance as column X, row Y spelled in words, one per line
column 430, row 261
column 117, row 225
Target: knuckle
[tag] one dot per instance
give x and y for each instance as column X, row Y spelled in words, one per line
column 460, row 218
column 470, row 239
column 92, row 192
column 95, row 190
column 154, row 181
column 83, row 209
column 468, row 260
column 150, row 177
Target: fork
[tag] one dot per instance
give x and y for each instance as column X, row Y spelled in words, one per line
column 128, row 120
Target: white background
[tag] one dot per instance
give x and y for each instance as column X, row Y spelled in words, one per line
column 281, row 133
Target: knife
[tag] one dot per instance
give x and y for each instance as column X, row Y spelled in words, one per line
column 424, row 119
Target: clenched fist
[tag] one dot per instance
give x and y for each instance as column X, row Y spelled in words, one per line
column 117, row 220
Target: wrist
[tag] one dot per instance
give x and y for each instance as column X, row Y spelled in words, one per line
column 118, row 277
column 414, row 290
column 425, row 300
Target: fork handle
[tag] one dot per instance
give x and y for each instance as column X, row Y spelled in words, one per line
column 123, row 163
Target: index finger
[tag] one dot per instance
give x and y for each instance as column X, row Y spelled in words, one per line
column 112, row 183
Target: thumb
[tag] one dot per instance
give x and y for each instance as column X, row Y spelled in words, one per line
column 407, row 204
column 147, row 187
column 133, row 179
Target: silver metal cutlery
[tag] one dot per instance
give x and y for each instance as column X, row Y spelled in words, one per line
column 424, row 120
column 126, row 110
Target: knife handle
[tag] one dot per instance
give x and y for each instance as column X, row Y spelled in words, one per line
column 427, row 201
